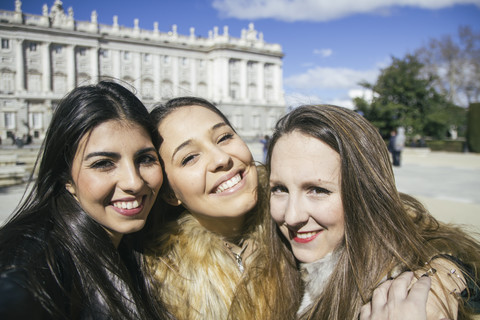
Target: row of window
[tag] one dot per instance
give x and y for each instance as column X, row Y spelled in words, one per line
column 35, row 120
column 58, row 49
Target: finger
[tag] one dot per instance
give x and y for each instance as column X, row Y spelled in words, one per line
column 399, row 288
column 366, row 311
column 420, row 289
column 380, row 298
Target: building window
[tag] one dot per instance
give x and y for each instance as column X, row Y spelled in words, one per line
column 57, row 49
column 147, row 58
column 234, row 90
column 6, row 82
column 32, row 46
column 126, row 56
column 256, row 121
column 10, row 123
column 104, row 53
column 34, row 83
column 36, row 120
column 237, row 121
column 5, row 44
column 166, row 60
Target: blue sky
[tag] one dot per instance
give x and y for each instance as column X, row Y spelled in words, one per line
column 329, row 45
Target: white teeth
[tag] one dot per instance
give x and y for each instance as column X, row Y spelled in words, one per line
column 126, row 205
column 228, row 184
column 305, row 235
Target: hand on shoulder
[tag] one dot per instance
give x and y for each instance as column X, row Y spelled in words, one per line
column 394, row 299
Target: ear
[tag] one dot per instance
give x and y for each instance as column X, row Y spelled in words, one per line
column 170, row 198
column 70, row 188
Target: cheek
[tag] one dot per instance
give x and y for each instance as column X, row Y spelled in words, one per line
column 154, row 178
column 285, row 232
column 242, row 152
column 92, row 186
column 276, row 211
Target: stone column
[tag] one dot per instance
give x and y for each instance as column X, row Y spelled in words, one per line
column 94, row 64
column 137, row 69
column 193, row 76
column 243, row 80
column 71, row 72
column 47, row 67
column 261, row 81
column 116, row 63
column 175, row 75
column 156, row 77
column 277, row 82
column 20, row 66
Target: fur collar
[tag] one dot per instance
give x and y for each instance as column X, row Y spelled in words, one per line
column 315, row 276
column 198, row 277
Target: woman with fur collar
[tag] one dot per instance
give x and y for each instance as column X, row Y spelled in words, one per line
column 218, row 255
column 334, row 198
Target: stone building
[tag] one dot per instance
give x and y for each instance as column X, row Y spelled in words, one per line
column 42, row 57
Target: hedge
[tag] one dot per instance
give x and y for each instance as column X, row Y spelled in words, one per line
column 473, row 127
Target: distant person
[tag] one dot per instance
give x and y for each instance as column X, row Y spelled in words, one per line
column 68, row 250
column 399, row 144
column 391, row 143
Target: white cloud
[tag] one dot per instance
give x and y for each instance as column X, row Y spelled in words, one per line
column 330, row 78
column 320, row 10
column 337, row 86
column 295, row 99
column 323, row 52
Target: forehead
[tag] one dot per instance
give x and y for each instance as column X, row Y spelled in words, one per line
column 187, row 122
column 111, row 133
column 305, row 153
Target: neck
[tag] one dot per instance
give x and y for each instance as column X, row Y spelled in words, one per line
column 228, row 227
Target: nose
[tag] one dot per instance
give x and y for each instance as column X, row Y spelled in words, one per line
column 219, row 159
column 295, row 214
column 130, row 179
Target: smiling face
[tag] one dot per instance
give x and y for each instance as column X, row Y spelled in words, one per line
column 209, row 168
column 305, row 198
column 116, row 176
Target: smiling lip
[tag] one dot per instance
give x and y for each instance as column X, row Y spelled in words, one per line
column 129, row 207
column 229, row 184
column 304, row 237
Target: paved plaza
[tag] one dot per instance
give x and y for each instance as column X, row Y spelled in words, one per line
column 448, row 184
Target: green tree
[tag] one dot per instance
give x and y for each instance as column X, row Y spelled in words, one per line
column 403, row 96
column 455, row 62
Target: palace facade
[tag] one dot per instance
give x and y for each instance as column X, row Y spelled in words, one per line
column 42, row 57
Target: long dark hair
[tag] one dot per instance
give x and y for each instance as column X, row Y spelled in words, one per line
column 384, row 229
column 78, row 252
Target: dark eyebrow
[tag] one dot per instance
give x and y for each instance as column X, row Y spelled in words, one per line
column 186, row 143
column 145, row 150
column 115, row 155
column 102, row 154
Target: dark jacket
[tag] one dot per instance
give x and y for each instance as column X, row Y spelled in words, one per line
column 25, row 267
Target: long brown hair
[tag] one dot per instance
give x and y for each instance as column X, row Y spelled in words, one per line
column 384, row 230
column 270, row 286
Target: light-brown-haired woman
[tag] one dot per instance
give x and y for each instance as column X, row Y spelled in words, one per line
column 219, row 258
column 334, row 198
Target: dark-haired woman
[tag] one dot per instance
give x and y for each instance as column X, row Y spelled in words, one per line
column 67, row 252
